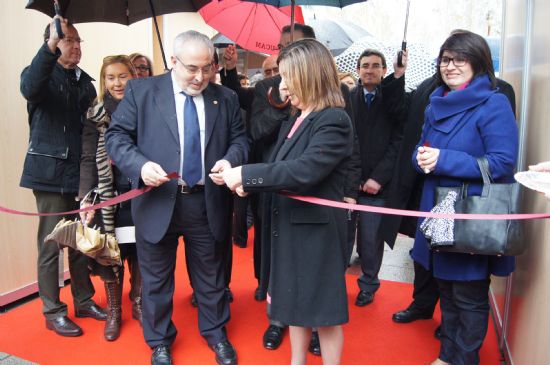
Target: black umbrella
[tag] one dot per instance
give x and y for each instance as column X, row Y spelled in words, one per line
column 116, row 11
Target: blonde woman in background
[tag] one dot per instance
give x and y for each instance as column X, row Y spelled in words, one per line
column 142, row 64
column 348, row 79
column 96, row 171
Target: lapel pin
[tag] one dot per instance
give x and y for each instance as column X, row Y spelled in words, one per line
column 215, row 102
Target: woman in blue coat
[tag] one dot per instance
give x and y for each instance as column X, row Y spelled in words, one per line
column 466, row 119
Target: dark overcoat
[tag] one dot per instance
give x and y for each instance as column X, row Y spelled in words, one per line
column 57, row 103
column 308, row 260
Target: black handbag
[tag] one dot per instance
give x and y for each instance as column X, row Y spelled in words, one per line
column 484, row 237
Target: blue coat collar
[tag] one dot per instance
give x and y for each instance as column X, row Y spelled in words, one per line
column 456, row 102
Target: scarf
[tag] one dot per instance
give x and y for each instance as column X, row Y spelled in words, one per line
column 100, row 114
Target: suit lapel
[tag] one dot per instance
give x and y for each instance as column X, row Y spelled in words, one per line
column 211, row 111
column 290, row 142
column 286, row 126
column 164, row 100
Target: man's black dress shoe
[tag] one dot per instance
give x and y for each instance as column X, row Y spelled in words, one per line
column 314, row 344
column 225, row 353
column 411, row 314
column 161, row 356
column 437, row 333
column 259, row 295
column 93, row 311
column 63, row 326
column 273, row 337
column 364, row 298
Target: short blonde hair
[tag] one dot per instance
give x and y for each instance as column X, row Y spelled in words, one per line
column 310, row 73
column 343, row 75
column 111, row 60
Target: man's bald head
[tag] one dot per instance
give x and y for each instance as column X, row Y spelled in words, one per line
column 270, row 67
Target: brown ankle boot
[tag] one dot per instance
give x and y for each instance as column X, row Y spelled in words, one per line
column 114, row 310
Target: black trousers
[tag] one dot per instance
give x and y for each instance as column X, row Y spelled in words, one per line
column 240, row 227
column 351, row 233
column 464, row 320
column 157, row 262
column 369, row 245
column 82, row 288
column 426, row 290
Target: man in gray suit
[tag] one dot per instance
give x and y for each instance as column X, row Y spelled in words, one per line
column 181, row 122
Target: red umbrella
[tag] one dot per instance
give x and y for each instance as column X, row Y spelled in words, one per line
column 253, row 26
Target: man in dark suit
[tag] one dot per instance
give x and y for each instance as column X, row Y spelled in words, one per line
column 229, row 78
column 181, row 122
column 379, row 134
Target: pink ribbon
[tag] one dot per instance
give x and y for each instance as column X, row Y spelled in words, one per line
column 413, row 213
column 116, row 200
column 308, row 199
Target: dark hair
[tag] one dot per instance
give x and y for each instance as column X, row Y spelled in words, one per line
column 242, row 77
column 474, row 48
column 372, row 52
column 306, row 30
column 47, row 30
column 216, row 59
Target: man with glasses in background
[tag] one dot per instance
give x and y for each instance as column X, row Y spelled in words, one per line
column 379, row 134
column 181, row 122
column 58, row 94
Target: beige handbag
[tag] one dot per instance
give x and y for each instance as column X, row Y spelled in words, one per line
column 102, row 247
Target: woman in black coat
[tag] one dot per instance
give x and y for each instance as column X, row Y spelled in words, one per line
column 308, row 254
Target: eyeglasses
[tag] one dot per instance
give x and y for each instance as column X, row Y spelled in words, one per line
column 374, row 66
column 194, row 70
column 142, row 68
column 72, row 41
column 458, row 61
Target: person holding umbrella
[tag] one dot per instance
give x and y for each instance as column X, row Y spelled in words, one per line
column 58, row 94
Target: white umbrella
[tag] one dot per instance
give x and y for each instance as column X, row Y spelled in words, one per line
column 421, row 64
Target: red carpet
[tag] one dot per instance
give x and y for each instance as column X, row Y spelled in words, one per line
column 370, row 337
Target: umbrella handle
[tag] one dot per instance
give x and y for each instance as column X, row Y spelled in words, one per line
column 273, row 103
column 400, row 54
column 57, row 21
